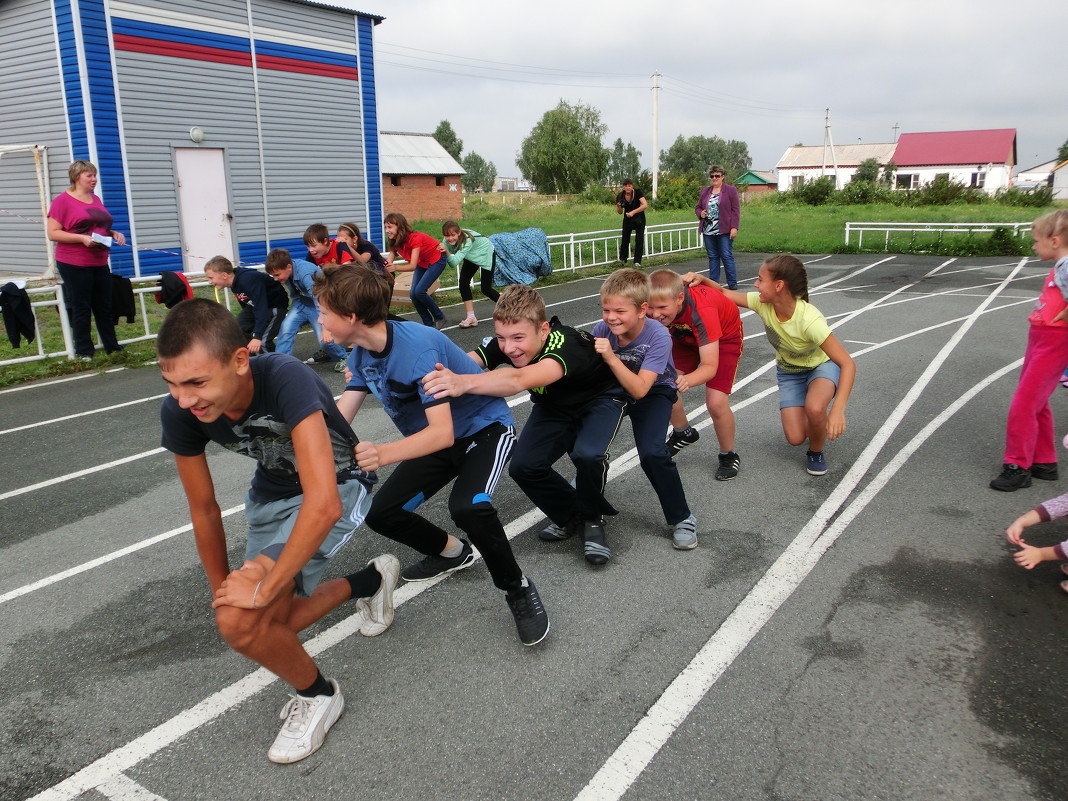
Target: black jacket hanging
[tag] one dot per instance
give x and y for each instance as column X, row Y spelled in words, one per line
column 18, row 314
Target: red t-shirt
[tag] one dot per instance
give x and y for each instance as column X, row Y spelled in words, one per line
column 706, row 316
column 338, row 253
column 428, row 249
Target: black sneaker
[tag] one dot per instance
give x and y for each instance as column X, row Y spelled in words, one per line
column 433, row 566
column 555, row 533
column 1046, row 471
column 677, row 441
column 595, row 548
column 729, row 465
column 531, row 621
column 1011, row 479
column 318, row 357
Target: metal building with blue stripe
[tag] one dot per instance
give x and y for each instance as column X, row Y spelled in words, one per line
column 218, row 128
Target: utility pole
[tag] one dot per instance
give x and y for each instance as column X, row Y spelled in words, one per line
column 895, row 131
column 656, row 131
column 828, row 141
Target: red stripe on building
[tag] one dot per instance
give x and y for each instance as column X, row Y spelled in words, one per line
column 138, row 44
column 307, row 67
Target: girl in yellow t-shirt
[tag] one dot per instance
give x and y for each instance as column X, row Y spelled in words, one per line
column 814, row 368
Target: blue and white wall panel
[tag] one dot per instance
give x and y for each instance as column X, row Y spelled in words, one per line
column 32, row 111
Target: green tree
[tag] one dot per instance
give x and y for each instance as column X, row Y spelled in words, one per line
column 692, row 156
column 478, row 173
column 888, row 174
column 1062, row 152
column 867, row 170
column 624, row 163
column 563, row 152
column 448, row 139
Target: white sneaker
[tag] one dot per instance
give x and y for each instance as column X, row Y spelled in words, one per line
column 307, row 720
column 377, row 610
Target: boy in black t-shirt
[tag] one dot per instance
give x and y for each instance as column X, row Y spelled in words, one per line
column 577, row 409
column 307, row 498
column 264, row 302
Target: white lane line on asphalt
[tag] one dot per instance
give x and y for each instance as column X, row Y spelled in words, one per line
column 123, row 788
column 82, row 414
column 150, row 743
column 103, row 560
column 669, row 711
column 79, row 474
column 46, row 384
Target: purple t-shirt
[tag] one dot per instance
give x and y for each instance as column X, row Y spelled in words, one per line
column 650, row 350
column 76, row 217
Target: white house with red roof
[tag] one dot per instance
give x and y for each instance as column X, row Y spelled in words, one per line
column 981, row 159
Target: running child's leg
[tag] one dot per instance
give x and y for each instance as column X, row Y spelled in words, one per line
column 547, row 436
column 648, row 417
column 817, row 401
column 598, row 425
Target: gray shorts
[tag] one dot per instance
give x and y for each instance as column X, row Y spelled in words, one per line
column 270, row 524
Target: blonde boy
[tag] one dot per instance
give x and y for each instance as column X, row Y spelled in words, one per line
column 577, row 408
column 263, row 301
column 638, row 351
column 706, row 332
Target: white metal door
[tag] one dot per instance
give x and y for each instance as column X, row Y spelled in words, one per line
column 203, row 201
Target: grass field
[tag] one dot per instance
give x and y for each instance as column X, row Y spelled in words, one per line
column 765, row 228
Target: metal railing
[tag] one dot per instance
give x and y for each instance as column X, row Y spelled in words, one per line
column 568, row 252
column 913, row 228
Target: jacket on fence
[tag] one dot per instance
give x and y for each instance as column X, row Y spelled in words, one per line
column 18, row 313
column 174, row 288
column 122, row 299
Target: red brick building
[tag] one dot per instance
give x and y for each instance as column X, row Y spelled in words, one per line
column 419, row 178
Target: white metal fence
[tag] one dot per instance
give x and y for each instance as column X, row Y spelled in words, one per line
column 939, row 228
column 568, row 252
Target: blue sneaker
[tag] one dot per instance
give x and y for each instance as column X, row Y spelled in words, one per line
column 817, row 465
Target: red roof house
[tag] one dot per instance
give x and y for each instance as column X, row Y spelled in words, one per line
column 983, row 159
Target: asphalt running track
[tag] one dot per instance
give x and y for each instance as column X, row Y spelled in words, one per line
column 860, row 635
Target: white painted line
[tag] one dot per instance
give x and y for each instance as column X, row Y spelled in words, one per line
column 83, row 414
column 750, row 616
column 46, row 384
column 70, row 476
column 123, row 788
column 103, row 560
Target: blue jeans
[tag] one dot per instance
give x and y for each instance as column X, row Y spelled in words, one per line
column 422, row 279
column 721, row 247
column 303, row 311
column 650, row 417
column 87, row 295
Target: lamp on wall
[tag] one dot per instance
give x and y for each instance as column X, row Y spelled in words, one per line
column 196, row 133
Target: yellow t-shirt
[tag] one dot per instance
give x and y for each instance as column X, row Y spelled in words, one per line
column 797, row 341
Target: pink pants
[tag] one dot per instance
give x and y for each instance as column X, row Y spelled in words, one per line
column 1029, row 430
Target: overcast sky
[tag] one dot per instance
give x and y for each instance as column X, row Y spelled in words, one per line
column 761, row 71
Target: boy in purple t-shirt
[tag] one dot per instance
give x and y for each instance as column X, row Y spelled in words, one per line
column 638, row 351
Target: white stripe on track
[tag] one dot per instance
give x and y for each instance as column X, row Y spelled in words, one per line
column 82, row 414
column 762, row 602
column 123, row 788
column 70, row 476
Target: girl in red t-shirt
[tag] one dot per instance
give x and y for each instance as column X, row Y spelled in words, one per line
column 426, row 260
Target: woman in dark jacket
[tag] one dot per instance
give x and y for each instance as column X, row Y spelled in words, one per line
column 719, row 212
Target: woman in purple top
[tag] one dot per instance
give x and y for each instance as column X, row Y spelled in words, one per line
column 74, row 219
column 719, row 212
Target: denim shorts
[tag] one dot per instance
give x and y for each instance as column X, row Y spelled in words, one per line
column 270, row 524
column 793, row 387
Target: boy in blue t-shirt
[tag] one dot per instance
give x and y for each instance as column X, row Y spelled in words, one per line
column 307, row 498
column 298, row 277
column 638, row 351
column 467, row 439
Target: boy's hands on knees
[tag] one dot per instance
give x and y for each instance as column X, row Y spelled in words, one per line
column 242, row 588
column 442, row 382
column 367, row 457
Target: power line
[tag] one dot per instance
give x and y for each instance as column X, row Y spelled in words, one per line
column 500, row 78
column 497, row 64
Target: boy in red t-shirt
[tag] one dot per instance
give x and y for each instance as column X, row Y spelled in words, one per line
column 324, row 250
column 706, row 335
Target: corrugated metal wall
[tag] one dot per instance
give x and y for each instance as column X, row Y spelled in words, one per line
column 178, row 67
column 30, row 82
